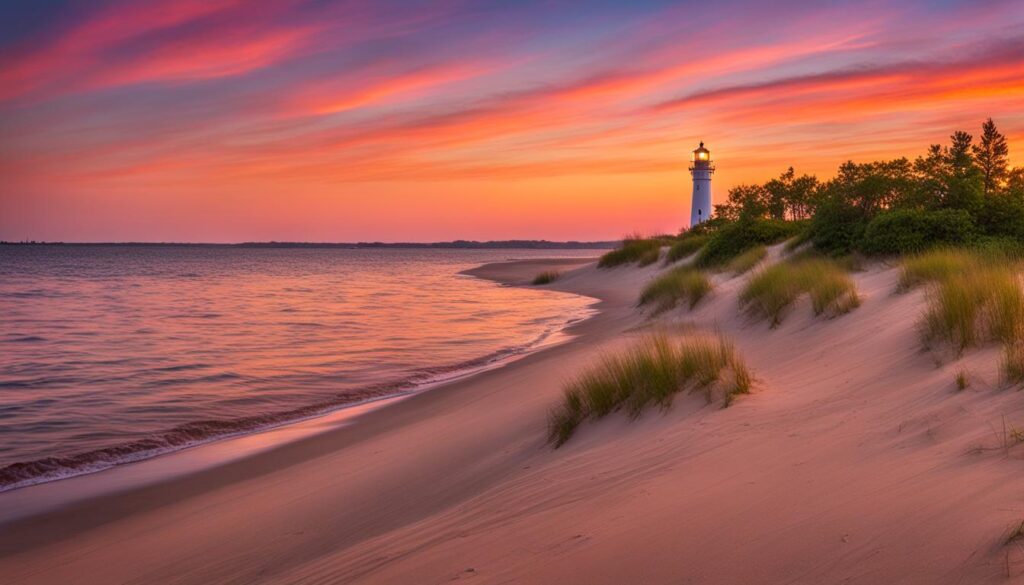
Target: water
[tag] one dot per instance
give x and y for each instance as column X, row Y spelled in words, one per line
column 115, row 354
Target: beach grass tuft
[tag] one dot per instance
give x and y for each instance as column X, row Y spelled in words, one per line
column 633, row 250
column 772, row 291
column 981, row 303
column 546, row 277
column 961, row 380
column 1013, row 363
column 650, row 373
column 679, row 284
column 935, row 266
column 747, row 260
column 686, row 247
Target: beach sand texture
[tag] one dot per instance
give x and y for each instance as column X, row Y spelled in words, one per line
column 855, row 460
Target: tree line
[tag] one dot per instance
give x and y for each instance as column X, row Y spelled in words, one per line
column 961, row 193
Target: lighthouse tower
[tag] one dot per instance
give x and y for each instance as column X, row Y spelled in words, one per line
column 701, row 169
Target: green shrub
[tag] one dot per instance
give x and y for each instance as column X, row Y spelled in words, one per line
column 642, row 252
column 837, row 228
column 747, row 260
column 679, row 284
column 734, row 238
column 652, row 372
column 772, row 291
column 910, row 230
column 686, row 247
column 546, row 277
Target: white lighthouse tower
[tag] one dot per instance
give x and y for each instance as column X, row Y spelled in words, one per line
column 701, row 169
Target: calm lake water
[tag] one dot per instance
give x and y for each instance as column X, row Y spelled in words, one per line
column 115, row 354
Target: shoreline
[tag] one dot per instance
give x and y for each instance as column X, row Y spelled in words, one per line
column 152, row 471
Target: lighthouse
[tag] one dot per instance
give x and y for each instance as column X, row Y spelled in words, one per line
column 701, row 169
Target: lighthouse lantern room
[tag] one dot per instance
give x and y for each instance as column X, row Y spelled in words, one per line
column 701, row 168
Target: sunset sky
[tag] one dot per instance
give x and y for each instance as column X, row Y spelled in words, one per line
column 231, row 120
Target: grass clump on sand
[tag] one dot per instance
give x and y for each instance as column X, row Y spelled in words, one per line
column 679, row 284
column 935, row 266
column 771, row 292
column 982, row 303
column 747, row 260
column 652, row 372
column 686, row 247
column 973, row 297
column 1013, row 363
column 961, row 380
column 546, row 277
column 633, row 249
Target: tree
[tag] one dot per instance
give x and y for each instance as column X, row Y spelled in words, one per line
column 746, row 201
column 958, row 155
column 991, row 156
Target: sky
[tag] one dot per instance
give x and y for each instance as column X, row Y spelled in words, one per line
column 291, row 120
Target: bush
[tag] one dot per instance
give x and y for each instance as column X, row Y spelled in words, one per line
column 771, row 292
column 837, row 227
column 908, row 230
column 678, row 284
column 651, row 372
column 747, row 260
column 546, row 277
column 643, row 252
column 685, row 247
column 734, row 238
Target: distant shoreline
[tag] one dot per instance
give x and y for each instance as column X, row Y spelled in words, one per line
column 454, row 245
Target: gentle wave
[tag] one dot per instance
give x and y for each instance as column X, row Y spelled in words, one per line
column 27, row 473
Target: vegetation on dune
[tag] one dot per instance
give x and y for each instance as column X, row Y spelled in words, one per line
column 961, row 380
column 1013, row 363
column 687, row 246
column 680, row 284
column 973, row 297
column 747, row 260
column 771, row 292
column 546, row 277
column 650, row 373
column 963, row 194
column 637, row 250
column 732, row 239
column 935, row 266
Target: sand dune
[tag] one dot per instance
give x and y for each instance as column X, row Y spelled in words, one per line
column 855, row 460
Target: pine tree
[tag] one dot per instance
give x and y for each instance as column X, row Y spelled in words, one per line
column 991, row 156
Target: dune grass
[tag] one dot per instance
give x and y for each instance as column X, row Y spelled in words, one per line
column 961, row 380
column 974, row 296
column 650, row 373
column 1013, row 363
column 685, row 248
column 634, row 250
column 679, row 284
column 772, row 291
column 546, row 277
column 982, row 303
column 935, row 266
column 747, row 260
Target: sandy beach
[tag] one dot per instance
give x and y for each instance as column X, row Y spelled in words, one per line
column 855, row 460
